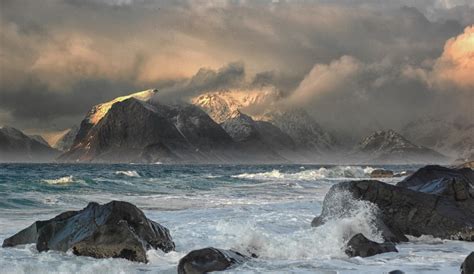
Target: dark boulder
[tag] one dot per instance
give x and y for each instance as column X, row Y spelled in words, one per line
column 432, row 173
column 457, row 184
column 116, row 229
column 467, row 266
column 209, row 259
column 381, row 173
column 408, row 212
column 359, row 245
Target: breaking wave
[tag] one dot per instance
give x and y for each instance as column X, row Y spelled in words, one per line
column 59, row 181
column 321, row 173
column 328, row 240
column 129, row 173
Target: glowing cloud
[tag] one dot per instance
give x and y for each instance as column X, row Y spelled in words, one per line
column 456, row 64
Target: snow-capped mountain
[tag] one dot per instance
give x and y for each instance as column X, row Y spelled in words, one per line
column 220, row 105
column 97, row 112
column 15, row 146
column 391, row 147
column 454, row 139
column 305, row 133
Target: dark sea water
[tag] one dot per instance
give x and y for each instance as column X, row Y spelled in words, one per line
column 265, row 208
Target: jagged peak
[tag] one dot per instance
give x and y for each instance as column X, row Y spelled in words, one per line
column 99, row 111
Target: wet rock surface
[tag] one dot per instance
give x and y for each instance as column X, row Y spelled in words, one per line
column 113, row 230
column 467, row 266
column 210, row 259
column 433, row 201
column 359, row 245
column 381, row 173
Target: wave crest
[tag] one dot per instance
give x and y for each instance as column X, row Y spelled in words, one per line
column 60, row 181
column 337, row 172
column 128, row 173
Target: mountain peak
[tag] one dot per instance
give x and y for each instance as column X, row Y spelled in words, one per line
column 383, row 140
column 99, row 111
column 388, row 146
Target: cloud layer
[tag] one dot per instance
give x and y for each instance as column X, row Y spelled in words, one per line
column 365, row 63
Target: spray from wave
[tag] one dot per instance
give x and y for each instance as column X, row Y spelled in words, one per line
column 326, row 241
column 338, row 172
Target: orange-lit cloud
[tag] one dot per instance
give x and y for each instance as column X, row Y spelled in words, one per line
column 456, row 64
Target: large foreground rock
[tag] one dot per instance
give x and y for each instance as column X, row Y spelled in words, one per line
column 359, row 245
column 208, row 260
column 406, row 211
column 467, row 266
column 116, row 229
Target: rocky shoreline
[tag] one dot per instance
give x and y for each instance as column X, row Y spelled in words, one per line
column 434, row 200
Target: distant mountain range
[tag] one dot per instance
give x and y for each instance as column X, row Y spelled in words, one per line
column 15, row 146
column 223, row 127
column 391, row 147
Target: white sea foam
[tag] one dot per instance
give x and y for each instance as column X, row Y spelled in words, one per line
column 60, row 181
column 328, row 240
column 311, row 174
column 128, row 173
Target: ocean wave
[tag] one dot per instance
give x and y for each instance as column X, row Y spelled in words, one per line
column 129, row 173
column 321, row 173
column 328, row 240
column 59, row 181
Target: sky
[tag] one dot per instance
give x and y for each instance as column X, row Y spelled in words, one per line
column 353, row 65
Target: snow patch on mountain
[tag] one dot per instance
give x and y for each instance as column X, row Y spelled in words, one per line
column 220, row 105
column 99, row 111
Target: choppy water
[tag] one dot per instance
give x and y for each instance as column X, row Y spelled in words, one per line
column 267, row 209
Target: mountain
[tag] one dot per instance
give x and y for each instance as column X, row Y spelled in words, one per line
column 15, row 146
column 138, row 130
column 303, row 129
column 97, row 112
column 292, row 133
column 65, row 142
column 222, row 104
column 39, row 138
column 391, row 147
column 259, row 138
column 452, row 138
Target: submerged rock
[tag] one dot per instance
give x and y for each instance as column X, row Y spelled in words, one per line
column 381, row 173
column 209, row 259
column 405, row 211
column 359, row 245
column 467, row 266
column 116, row 229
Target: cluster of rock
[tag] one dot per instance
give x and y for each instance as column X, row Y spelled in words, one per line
column 434, row 200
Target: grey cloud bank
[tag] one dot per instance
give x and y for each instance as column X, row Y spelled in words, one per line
column 354, row 65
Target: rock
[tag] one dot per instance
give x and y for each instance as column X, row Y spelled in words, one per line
column 454, row 183
column 381, row 173
column 208, row 260
column 359, row 245
column 396, row 272
column 433, row 172
column 408, row 212
column 116, row 229
column 467, row 266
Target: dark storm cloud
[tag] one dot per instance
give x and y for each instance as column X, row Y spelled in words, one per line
column 59, row 57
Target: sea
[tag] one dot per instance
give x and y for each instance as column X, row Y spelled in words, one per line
column 263, row 208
